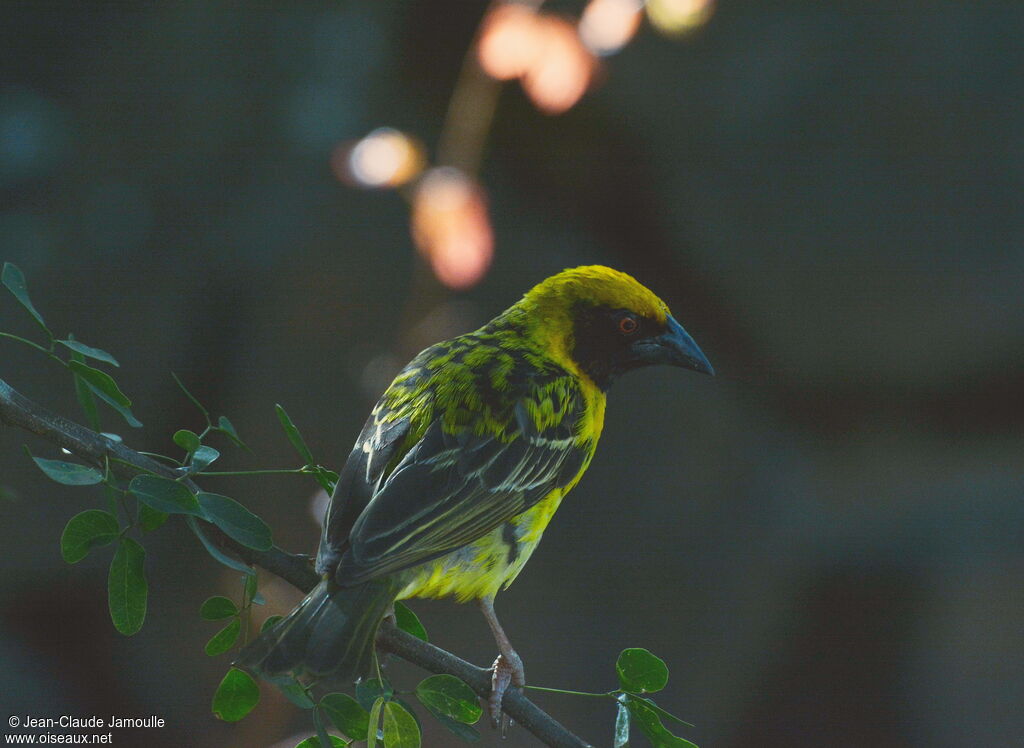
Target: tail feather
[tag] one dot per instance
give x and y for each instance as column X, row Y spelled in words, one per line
column 330, row 633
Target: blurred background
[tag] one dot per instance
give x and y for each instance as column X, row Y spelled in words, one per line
column 823, row 542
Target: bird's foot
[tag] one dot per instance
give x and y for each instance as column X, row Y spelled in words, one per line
column 507, row 670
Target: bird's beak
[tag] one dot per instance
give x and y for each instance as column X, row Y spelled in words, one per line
column 675, row 347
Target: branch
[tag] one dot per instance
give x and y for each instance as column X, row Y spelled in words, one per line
column 18, row 411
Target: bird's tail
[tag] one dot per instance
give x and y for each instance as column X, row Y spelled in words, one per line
column 330, row 633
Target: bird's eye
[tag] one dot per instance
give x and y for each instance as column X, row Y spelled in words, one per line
column 628, row 325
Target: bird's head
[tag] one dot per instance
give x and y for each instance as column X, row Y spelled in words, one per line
column 604, row 323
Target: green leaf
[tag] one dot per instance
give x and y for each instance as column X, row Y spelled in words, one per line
column 101, row 381
column 400, row 728
column 68, row 473
column 408, row 622
column 467, row 733
column 346, row 714
column 450, row 696
column 661, row 712
column 236, row 696
column 14, row 280
column 326, row 478
column 88, row 350
column 126, row 587
column 237, row 522
column 202, row 458
column 228, row 429
column 187, row 440
column 216, row 552
column 217, row 608
column 204, row 411
column 224, row 639
column 103, row 395
column 269, row 623
column 640, row 671
column 650, row 725
column 371, row 689
column 150, row 519
column 84, row 531
column 164, row 495
column 314, row 742
column 293, row 435
column 375, row 712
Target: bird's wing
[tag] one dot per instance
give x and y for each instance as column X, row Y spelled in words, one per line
column 378, row 444
column 453, row 487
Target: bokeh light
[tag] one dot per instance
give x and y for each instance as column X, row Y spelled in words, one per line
column 510, row 41
column 384, row 158
column 451, row 226
column 544, row 51
column 562, row 71
column 606, row 26
column 675, row 17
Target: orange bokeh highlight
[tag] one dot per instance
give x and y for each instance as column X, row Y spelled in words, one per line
column 509, row 41
column 544, row 51
column 384, row 158
column 451, row 227
column 606, row 26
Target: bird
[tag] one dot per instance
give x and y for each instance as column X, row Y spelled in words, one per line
column 462, row 464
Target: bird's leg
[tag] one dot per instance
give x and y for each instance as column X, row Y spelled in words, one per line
column 508, row 667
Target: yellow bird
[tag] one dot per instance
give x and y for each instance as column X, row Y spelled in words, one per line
column 463, row 462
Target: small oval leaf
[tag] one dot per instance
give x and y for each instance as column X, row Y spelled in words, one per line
column 373, row 733
column 217, row 553
column 127, row 590
column 14, row 280
column 237, row 522
column 236, row 696
column 86, row 530
column 408, row 622
column 227, row 428
column 269, row 623
column 450, row 696
column 217, row 608
column 640, row 671
column 370, row 690
column 224, row 639
column 164, row 495
column 101, row 381
column 202, row 458
column 650, row 725
column 293, row 434
column 187, row 440
column 400, row 728
column 88, row 350
column 346, row 714
column 69, row 473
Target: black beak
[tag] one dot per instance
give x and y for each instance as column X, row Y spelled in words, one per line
column 675, row 347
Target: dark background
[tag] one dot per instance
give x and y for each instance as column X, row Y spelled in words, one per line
column 823, row 542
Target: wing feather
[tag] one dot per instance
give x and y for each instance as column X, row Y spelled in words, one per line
column 452, row 488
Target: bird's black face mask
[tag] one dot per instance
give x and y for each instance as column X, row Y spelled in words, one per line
column 610, row 342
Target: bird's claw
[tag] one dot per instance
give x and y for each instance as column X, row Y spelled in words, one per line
column 506, row 671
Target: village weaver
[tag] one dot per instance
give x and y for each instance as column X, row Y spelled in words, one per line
column 462, row 464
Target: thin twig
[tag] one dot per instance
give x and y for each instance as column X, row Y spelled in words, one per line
column 18, row 411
